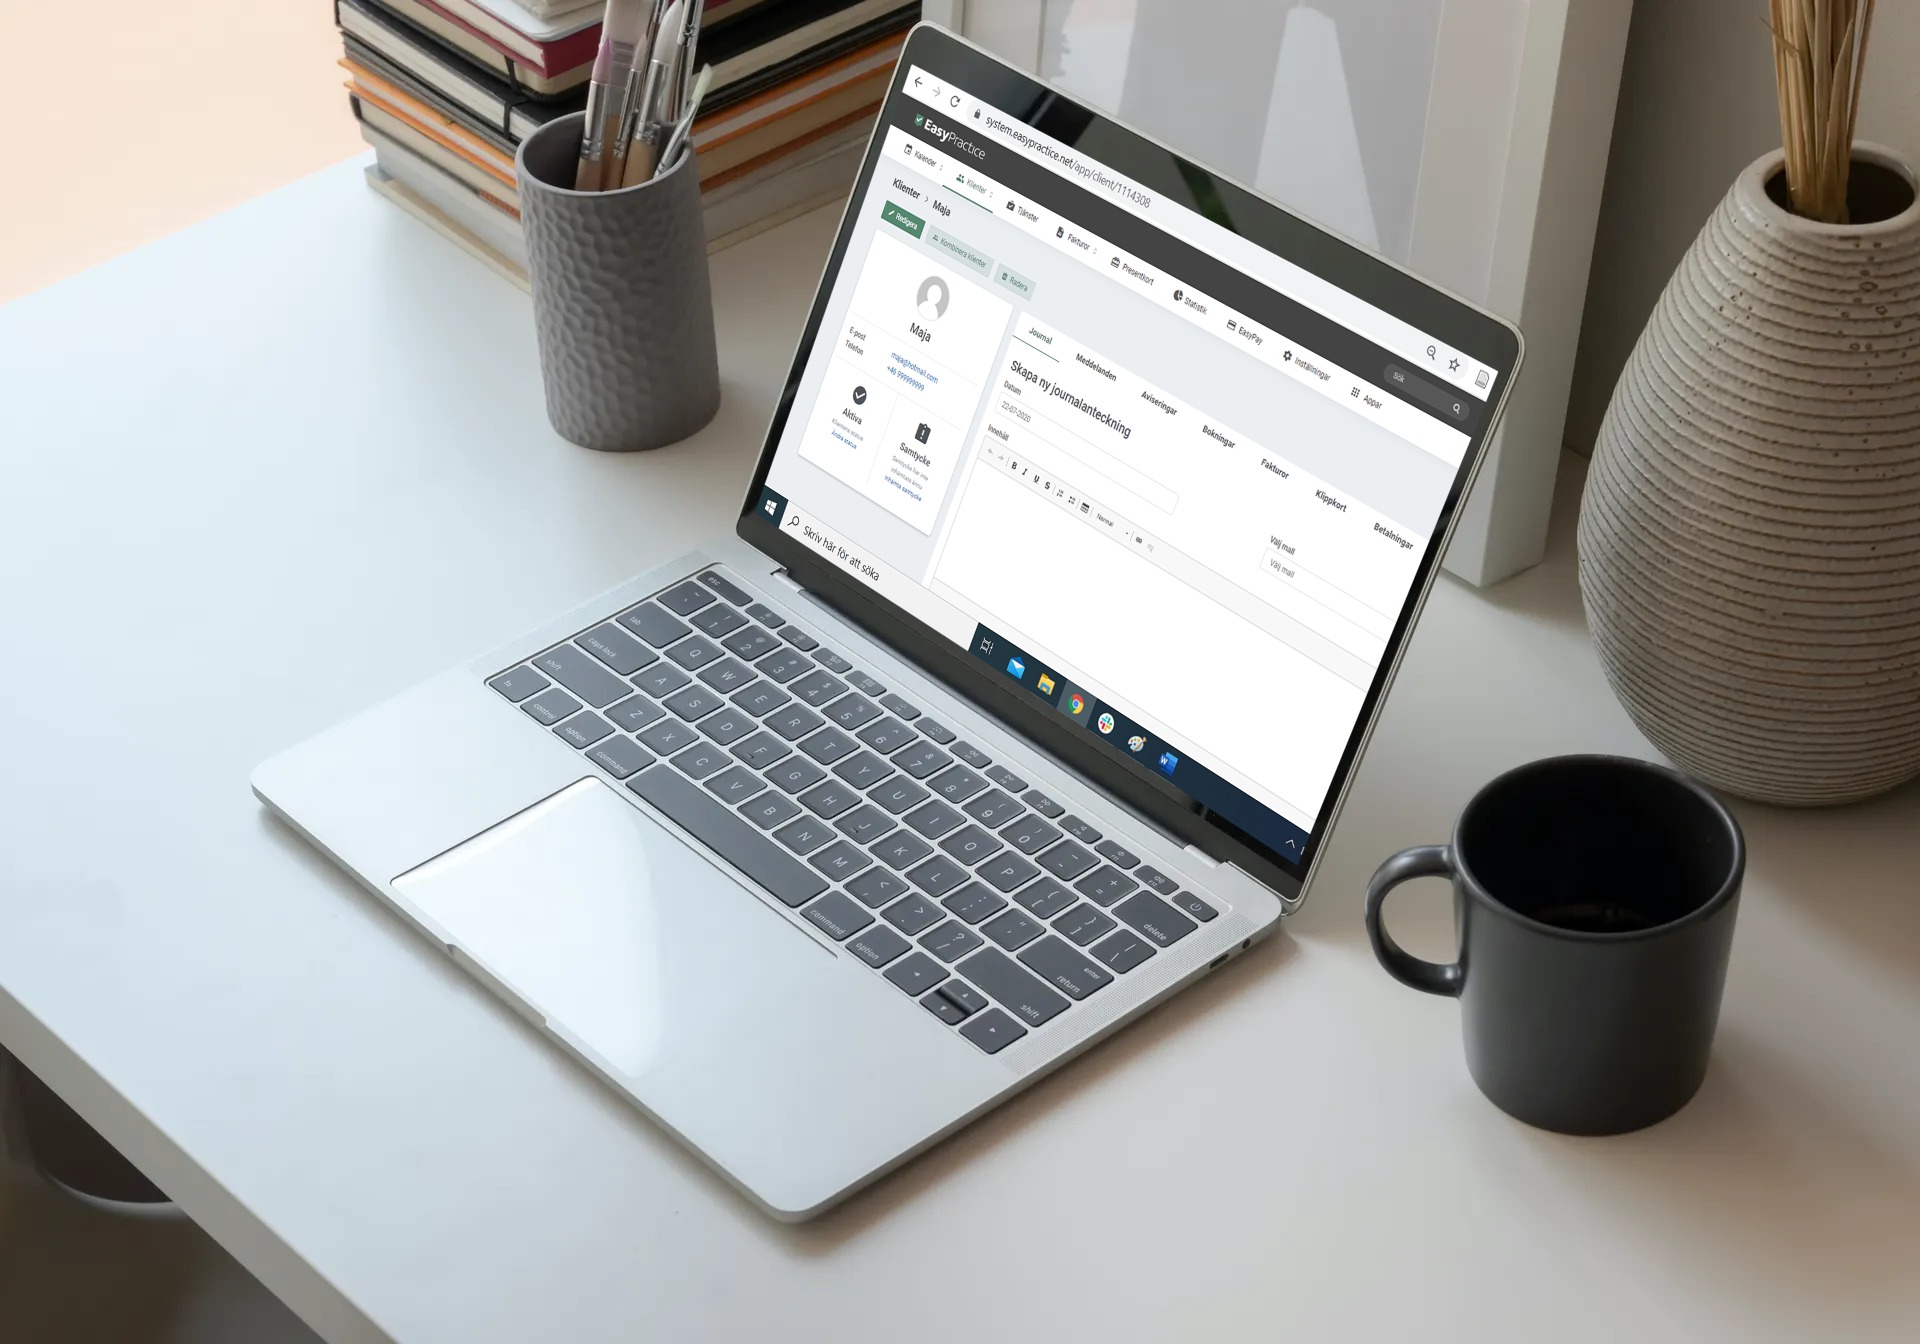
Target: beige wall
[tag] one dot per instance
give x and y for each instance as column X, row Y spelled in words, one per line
column 1696, row 106
column 156, row 113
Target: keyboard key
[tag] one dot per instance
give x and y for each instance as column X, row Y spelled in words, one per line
column 974, row 903
column 964, row 996
column 830, row 798
column 971, row 845
column 863, row 770
column 719, row 828
column 993, row 809
column 760, row 750
column 661, row 679
column 551, row 706
column 1187, row 903
column 934, row 820
column 878, row 945
column 841, row 860
column 635, row 713
column 993, row 1031
column 865, row 683
column 734, row 785
column 620, row 756
column 794, row 722
column 769, row 810
column 837, row 915
column 901, row 850
column 695, row 652
column 971, row 754
column 1117, row 854
column 751, row 643
column 717, row 621
column 934, row 729
column 1067, row 859
column 877, row 886
column 766, row 615
column 653, row 625
column 1080, row 830
column 685, row 598
column 951, row 941
column 1006, row 872
column 581, row 674
column 898, row 794
column 1046, row 898
column 944, row 1008
column 1012, row 930
column 818, row 688
column 804, row 834
column 1147, row 914
column 617, row 649
column 668, row 736
column 866, row 823
column 900, row 705
column 937, row 876
column 1082, row 924
column 1006, row 779
column 1030, row 835
column 517, row 683
column 799, row 638
column 1158, row 880
column 922, row 759
column 694, row 702
column 1013, row 988
column 700, row 760
column 852, row 710
column 728, row 726
column 913, row 914
column 726, row 587
column 1065, row 968
column 728, row 675
column 783, row 666
column 584, row 729
column 1122, row 952
column 1104, row 886
column 796, row 774
column 957, row 784
column 1042, row 804
column 760, row 698
column 916, row 974
column 828, row 745
column 887, row 736
column 828, row 658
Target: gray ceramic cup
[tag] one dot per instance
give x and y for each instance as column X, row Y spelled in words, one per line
column 621, row 299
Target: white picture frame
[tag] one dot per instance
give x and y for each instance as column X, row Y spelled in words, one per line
column 1518, row 121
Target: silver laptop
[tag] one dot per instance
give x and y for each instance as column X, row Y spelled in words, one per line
column 1088, row 532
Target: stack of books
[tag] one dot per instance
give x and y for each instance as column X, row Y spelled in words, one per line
column 445, row 90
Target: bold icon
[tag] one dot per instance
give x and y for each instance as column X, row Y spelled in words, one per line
column 1105, row 723
column 1480, row 378
column 1044, row 685
column 922, row 432
column 1075, row 705
column 1167, row 762
column 1136, row 742
column 859, row 396
column 1016, row 668
column 932, row 298
column 1179, row 294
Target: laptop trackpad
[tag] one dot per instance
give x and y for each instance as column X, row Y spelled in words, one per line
column 576, row 905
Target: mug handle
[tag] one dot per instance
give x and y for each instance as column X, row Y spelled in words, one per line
column 1428, row 976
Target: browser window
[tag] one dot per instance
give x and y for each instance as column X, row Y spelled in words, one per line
column 1162, row 479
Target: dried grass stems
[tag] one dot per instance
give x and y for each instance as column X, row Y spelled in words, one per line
column 1819, row 58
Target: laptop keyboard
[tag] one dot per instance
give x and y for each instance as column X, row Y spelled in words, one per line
column 973, row 893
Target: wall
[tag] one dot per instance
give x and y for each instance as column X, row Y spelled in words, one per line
column 1697, row 105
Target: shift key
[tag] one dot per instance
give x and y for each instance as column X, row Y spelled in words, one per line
column 581, row 674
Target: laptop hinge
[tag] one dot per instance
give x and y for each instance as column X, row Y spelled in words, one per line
column 791, row 583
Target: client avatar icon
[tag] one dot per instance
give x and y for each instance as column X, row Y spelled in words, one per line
column 932, row 298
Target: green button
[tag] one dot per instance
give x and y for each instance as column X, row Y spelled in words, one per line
column 1014, row 281
column 953, row 247
column 894, row 215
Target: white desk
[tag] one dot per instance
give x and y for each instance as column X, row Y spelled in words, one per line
column 287, row 462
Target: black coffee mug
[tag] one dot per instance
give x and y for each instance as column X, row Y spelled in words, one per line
column 1594, row 900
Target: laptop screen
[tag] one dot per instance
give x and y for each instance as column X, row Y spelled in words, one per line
column 1173, row 487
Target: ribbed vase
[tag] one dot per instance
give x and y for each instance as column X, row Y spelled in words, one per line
column 1750, row 534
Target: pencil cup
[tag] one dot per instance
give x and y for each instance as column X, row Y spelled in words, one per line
column 621, row 300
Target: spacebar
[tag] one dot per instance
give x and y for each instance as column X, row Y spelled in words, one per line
column 732, row 837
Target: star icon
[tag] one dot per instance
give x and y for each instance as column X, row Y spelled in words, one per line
column 1453, row 366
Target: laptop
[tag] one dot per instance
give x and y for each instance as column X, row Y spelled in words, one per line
column 1089, row 529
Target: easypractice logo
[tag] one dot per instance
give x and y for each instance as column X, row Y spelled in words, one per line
column 951, row 139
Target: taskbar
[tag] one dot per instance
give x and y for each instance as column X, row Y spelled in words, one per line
column 1130, row 741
